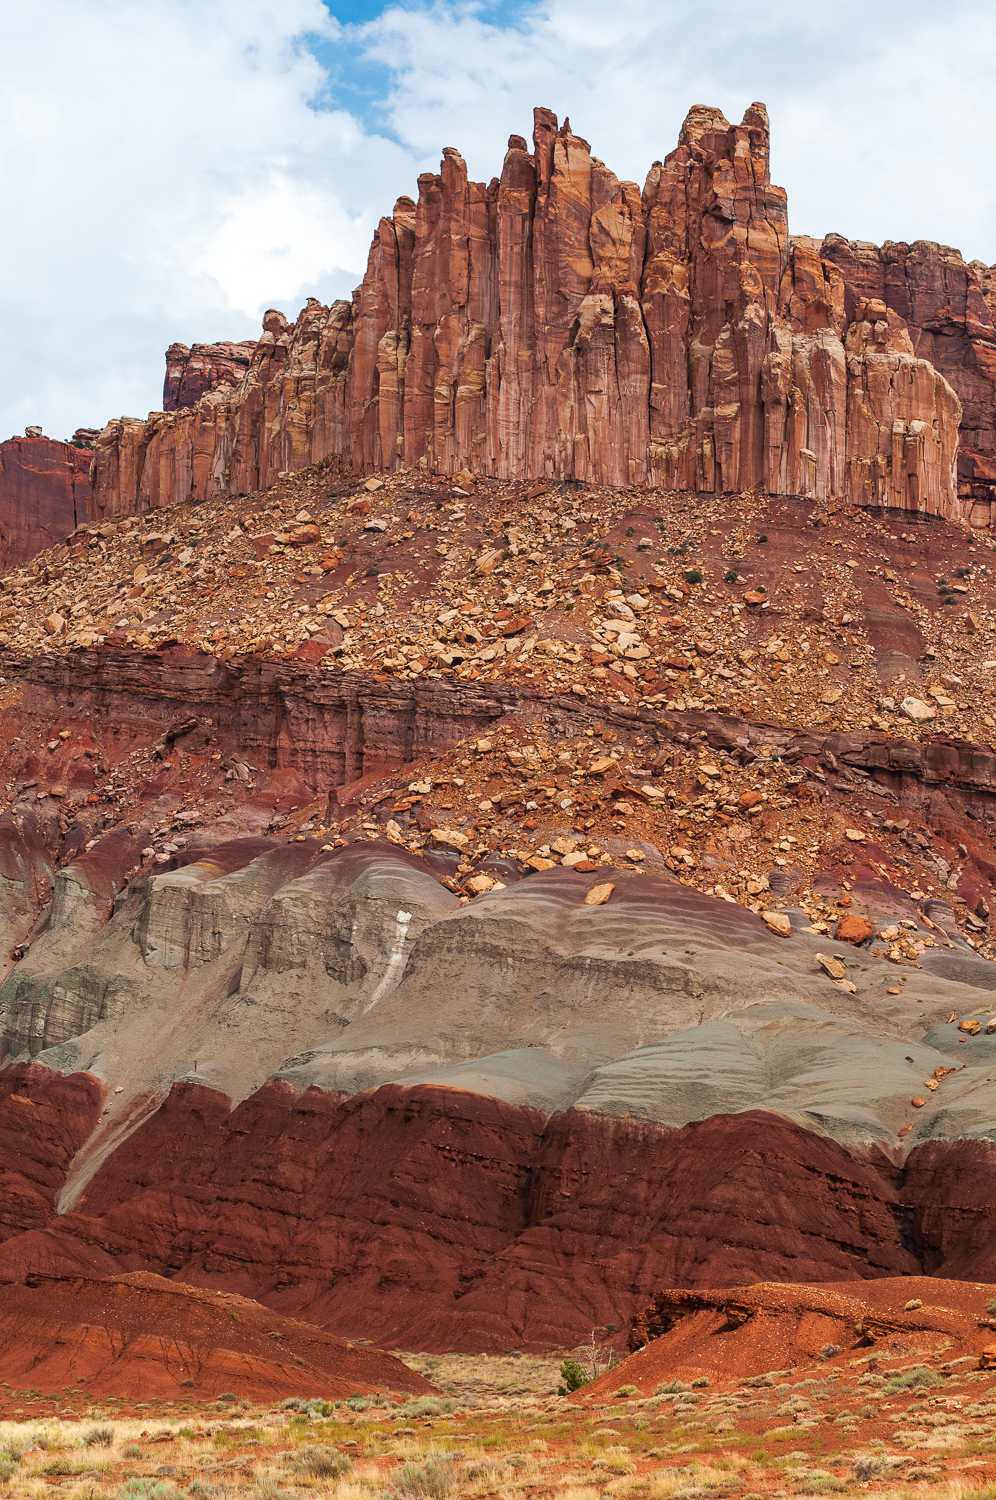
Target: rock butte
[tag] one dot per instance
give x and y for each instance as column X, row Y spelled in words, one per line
column 558, row 323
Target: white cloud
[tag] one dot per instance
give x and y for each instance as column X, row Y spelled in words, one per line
column 168, row 171
column 882, row 114
column 172, row 167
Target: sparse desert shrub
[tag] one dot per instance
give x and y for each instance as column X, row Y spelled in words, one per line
column 912, row 1304
column 432, row 1480
column 700, row 1381
column 148, row 1489
column 99, row 1437
column 227, row 1396
column 616, row 1459
column 429, row 1406
column 489, row 1469
column 8, row 1468
column 132, row 1450
column 317, row 1407
column 60, row 1466
column 910, row 1379
column 627, row 1390
column 322, row 1463
column 672, row 1388
column 868, row 1466
column 829, row 1350
column 267, row 1489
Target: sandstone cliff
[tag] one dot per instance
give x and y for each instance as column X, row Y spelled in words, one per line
column 559, row 323
column 191, row 372
column 44, row 495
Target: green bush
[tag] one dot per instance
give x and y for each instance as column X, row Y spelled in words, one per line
column 627, row 1390
column 432, row 1480
column 693, row 575
column 572, row 1375
column 731, row 575
column 316, row 1407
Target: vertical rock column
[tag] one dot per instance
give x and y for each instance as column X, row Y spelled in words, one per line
column 381, row 330
column 454, row 315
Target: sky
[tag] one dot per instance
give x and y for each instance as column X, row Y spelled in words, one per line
column 172, row 168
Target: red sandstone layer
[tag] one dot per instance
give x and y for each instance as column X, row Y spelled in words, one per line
column 44, row 495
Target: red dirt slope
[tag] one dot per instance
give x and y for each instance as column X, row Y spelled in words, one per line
column 139, row 1335
column 742, row 1331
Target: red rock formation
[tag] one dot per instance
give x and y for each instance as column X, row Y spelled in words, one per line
column 44, row 494
column 948, row 1188
column 337, row 728
column 749, row 1330
column 948, row 310
column 192, row 372
column 140, row 1336
column 44, row 1120
column 443, row 1219
column 560, row 323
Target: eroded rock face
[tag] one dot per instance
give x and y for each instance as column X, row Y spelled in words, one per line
column 947, row 308
column 192, row 372
column 560, row 323
column 44, row 494
column 460, row 1222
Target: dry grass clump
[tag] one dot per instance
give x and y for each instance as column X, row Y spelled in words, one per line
column 487, row 1375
